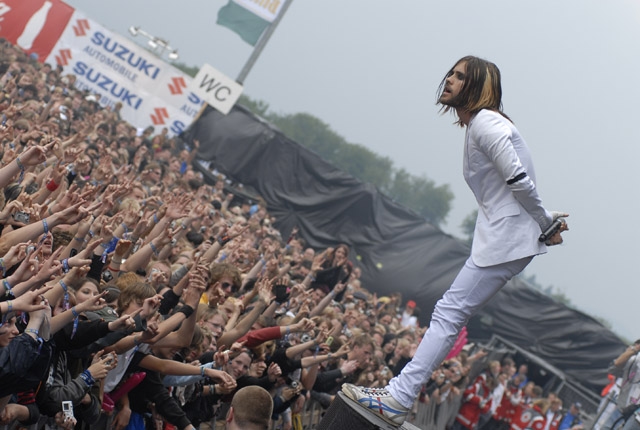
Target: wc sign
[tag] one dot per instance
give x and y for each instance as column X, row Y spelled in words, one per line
column 216, row 89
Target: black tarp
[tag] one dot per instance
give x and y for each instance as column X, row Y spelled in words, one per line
column 397, row 250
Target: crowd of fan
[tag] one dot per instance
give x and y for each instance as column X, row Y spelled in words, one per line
column 145, row 297
column 498, row 398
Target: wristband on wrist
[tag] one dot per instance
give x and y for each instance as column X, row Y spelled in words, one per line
column 9, row 305
column 7, row 288
column 154, row 249
column 65, row 300
column 202, row 371
column 52, row 186
column 38, row 338
column 21, row 166
column 75, row 321
column 45, row 225
column 87, row 378
column 65, row 265
column 2, row 267
column 223, row 240
column 186, row 310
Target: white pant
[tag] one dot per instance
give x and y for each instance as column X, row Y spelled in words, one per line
column 473, row 287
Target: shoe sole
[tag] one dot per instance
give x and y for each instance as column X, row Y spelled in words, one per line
column 353, row 396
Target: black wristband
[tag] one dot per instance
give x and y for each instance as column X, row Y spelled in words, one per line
column 186, row 310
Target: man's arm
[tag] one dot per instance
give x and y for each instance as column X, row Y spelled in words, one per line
column 494, row 137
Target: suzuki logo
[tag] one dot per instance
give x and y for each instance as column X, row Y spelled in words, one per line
column 178, row 85
column 81, row 27
column 160, row 115
column 64, row 57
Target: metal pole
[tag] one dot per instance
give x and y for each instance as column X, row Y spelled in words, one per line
column 261, row 44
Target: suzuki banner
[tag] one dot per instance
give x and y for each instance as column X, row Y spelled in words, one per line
column 114, row 68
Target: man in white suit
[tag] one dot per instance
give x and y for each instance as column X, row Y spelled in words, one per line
column 499, row 170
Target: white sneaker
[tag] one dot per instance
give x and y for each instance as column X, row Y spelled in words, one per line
column 378, row 401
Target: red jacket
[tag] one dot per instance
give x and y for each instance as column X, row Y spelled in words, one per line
column 529, row 418
column 509, row 404
column 555, row 420
column 257, row 337
column 476, row 401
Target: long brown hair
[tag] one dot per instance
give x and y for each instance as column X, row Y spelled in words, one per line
column 482, row 88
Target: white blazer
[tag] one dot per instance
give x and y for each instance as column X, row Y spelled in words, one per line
column 498, row 168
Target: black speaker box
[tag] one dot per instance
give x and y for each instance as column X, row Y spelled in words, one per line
column 345, row 414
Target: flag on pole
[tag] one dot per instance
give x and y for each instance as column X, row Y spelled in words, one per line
column 249, row 18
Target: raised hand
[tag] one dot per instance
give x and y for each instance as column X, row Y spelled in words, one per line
column 318, row 261
column 15, row 254
column 304, row 325
column 34, row 155
column 51, row 267
column 93, row 304
column 265, row 292
column 9, row 210
column 102, row 364
column 343, row 350
column 221, row 376
column 31, row 301
column 273, row 372
column 150, row 306
column 125, row 322
column 349, row 367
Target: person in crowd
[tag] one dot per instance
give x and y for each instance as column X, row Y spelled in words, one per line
column 554, row 414
column 626, row 367
column 522, row 371
column 251, row 409
column 409, row 317
column 571, row 419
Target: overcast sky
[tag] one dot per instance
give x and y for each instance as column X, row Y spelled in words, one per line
column 370, row 69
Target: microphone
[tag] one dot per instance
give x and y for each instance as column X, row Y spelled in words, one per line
column 551, row 230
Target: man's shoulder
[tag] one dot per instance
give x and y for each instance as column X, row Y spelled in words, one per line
column 489, row 122
column 491, row 116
